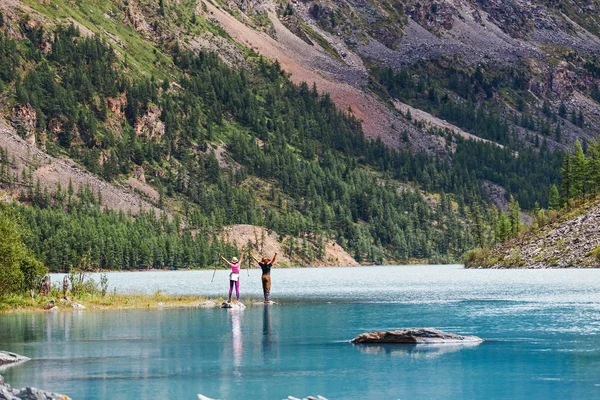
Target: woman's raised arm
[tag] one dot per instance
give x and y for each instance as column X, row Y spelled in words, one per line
column 224, row 259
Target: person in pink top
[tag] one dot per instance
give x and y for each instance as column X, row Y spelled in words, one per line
column 234, row 276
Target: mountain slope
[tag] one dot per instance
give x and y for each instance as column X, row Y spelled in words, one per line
column 132, row 92
column 51, row 171
column 550, row 44
column 530, row 65
column 342, row 80
column 292, row 162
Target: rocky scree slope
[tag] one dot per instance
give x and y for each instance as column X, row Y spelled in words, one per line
column 552, row 45
column 572, row 241
column 334, row 44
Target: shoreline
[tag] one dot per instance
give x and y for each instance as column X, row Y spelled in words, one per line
column 111, row 302
column 408, row 263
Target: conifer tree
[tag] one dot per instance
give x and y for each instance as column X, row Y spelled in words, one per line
column 478, row 225
column 503, row 228
column 566, row 184
column 514, row 215
column 579, row 172
column 554, row 201
column 562, row 110
column 594, row 167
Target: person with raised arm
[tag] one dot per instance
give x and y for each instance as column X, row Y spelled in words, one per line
column 266, row 265
column 234, row 276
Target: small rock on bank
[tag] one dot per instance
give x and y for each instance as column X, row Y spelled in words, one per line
column 11, row 358
column 78, row 306
column 414, row 336
column 50, row 305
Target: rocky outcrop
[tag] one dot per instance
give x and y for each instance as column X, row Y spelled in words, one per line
column 50, row 304
column 417, row 352
column 318, row 397
column 27, row 393
column 65, row 302
column 263, row 303
column 150, row 124
column 7, row 358
column 414, row 336
column 77, row 306
column 26, row 118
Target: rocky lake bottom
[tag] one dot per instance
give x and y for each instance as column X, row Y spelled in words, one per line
column 540, row 330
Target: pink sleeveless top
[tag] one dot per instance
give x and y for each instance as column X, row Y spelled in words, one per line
column 235, row 268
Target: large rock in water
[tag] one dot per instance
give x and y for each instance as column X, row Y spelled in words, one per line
column 11, row 358
column 415, row 336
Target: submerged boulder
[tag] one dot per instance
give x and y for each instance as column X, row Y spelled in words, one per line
column 414, row 336
column 263, row 303
column 7, row 357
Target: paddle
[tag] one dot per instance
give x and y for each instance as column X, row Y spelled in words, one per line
column 213, row 278
column 248, row 265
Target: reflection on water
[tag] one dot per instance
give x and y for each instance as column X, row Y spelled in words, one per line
column 415, row 350
column 235, row 317
column 266, row 342
column 13, row 365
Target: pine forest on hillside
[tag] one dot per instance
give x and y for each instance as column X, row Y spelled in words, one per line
column 294, row 163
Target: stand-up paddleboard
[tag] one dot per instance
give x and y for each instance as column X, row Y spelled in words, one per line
column 263, row 303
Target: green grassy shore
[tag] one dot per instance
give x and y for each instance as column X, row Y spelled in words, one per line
column 94, row 302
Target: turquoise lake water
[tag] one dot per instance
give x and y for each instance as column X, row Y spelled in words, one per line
column 541, row 328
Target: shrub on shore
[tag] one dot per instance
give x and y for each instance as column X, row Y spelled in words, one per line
column 19, row 269
column 478, row 258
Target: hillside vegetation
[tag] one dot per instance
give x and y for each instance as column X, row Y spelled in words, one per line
column 297, row 164
column 566, row 235
column 174, row 100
